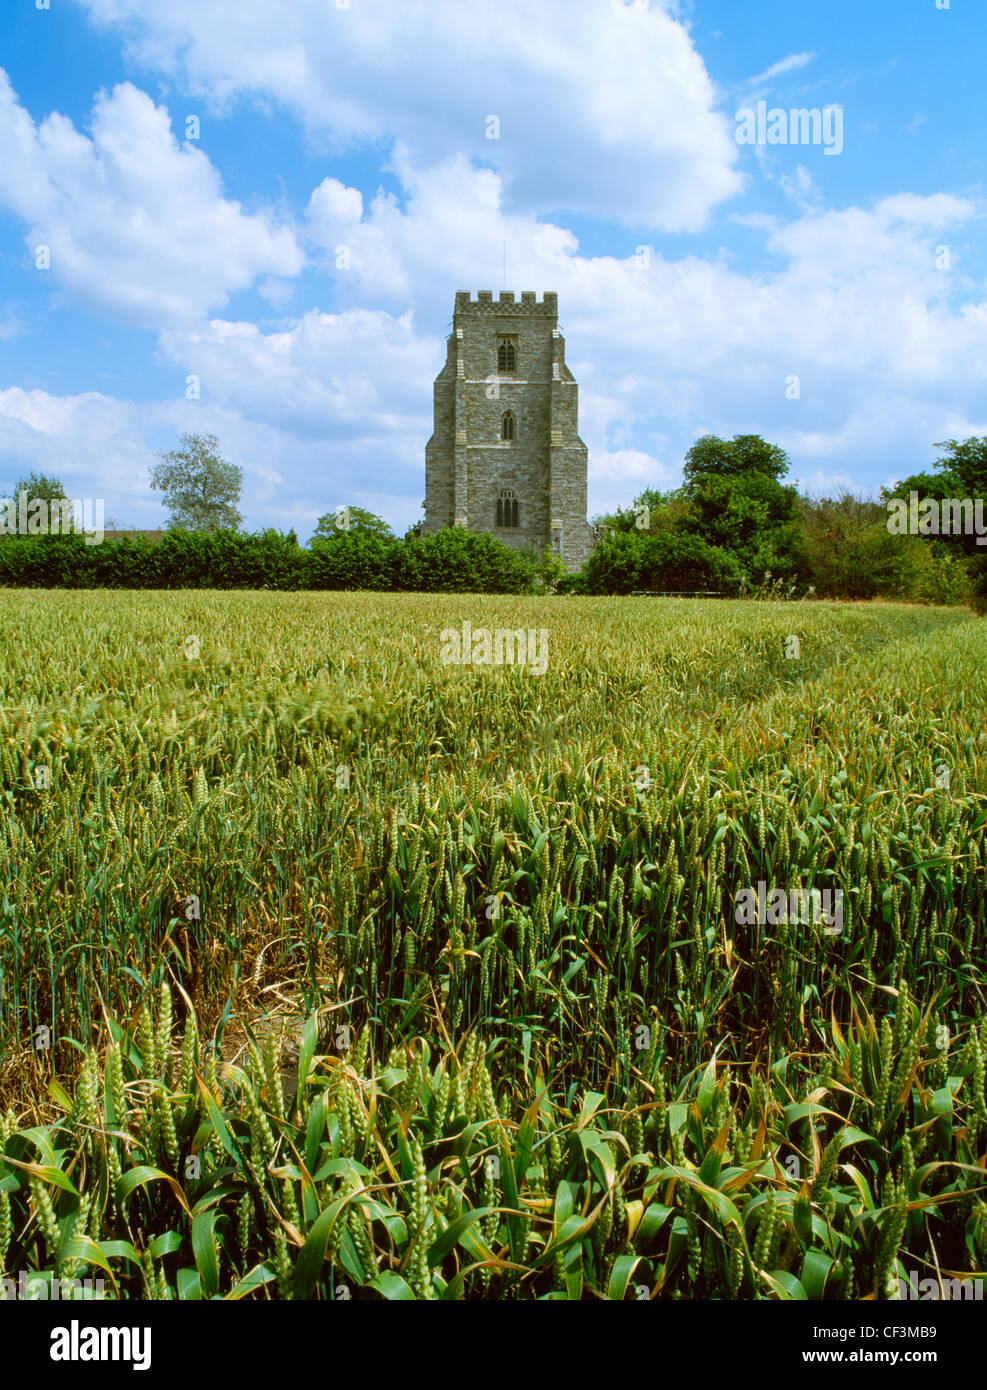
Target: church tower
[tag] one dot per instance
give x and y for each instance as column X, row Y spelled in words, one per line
column 505, row 454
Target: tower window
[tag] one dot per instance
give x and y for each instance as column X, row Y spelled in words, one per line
column 506, row 356
column 507, row 509
column 507, row 429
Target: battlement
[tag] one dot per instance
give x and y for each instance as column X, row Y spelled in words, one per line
column 506, row 303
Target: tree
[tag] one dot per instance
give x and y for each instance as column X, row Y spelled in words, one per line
column 38, row 487
column 200, row 487
column 752, row 516
column 937, row 485
column 351, row 521
column 745, row 453
column 672, row 560
column 966, row 463
column 651, row 510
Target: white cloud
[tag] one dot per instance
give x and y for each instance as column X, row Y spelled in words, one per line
column 855, row 307
column 137, row 224
column 98, row 448
column 855, row 287
column 618, row 476
column 603, row 107
column 326, row 408
column 92, row 443
column 325, row 375
column 789, row 64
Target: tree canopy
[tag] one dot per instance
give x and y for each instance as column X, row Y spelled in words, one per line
column 351, row 521
column 39, row 485
column 745, row 453
column 200, row 487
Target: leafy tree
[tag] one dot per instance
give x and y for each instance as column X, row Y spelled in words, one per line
column 745, row 453
column 615, row 564
column 200, row 487
column 39, row 487
column 657, row 510
column 966, row 462
column 621, row 520
column 834, row 531
column 677, row 560
column 852, row 555
column 350, row 521
column 937, row 485
column 752, row 516
column 961, row 473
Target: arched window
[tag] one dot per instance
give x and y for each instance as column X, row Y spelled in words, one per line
column 506, row 355
column 507, row 426
column 507, row 509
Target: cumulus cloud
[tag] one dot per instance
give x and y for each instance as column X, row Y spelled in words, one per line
column 100, row 447
column 325, row 374
column 136, row 224
column 603, row 108
column 663, row 349
column 852, row 288
column 92, row 443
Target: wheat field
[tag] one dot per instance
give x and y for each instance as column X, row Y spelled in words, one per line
column 334, row 968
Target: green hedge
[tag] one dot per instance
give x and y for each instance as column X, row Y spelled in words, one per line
column 445, row 561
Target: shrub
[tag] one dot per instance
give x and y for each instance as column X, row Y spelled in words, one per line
column 615, row 564
column 669, row 560
column 352, row 560
column 455, row 560
column 673, row 560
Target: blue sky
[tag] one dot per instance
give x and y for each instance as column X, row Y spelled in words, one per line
column 364, row 126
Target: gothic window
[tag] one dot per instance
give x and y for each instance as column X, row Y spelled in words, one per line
column 507, row 426
column 507, row 509
column 506, row 356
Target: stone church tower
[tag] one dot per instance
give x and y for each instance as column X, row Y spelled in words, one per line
column 505, row 454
